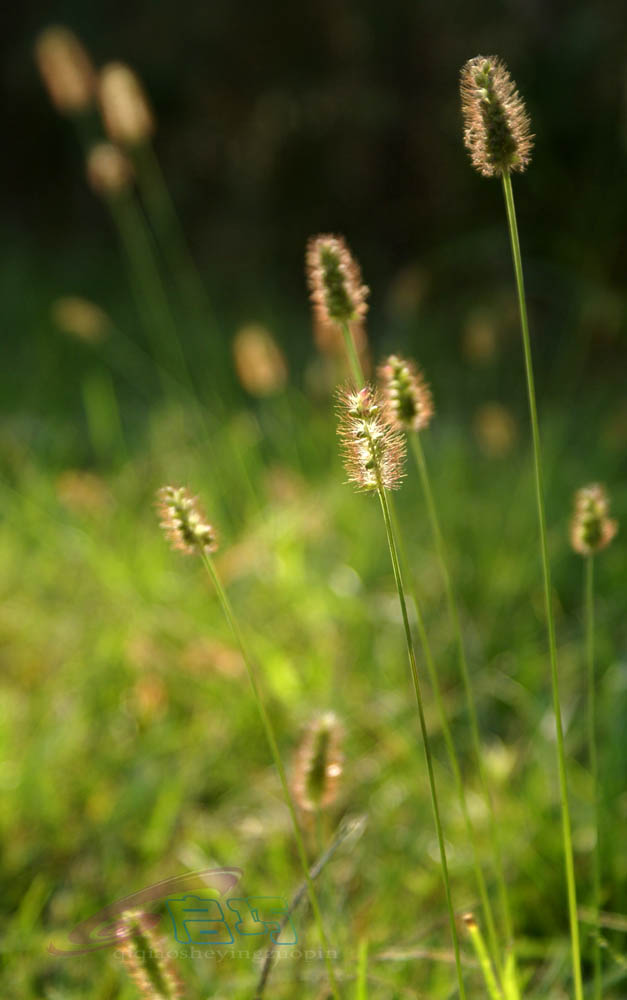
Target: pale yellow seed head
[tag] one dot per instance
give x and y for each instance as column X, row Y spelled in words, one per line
column 126, row 113
column 109, row 171
column 259, row 362
column 66, row 70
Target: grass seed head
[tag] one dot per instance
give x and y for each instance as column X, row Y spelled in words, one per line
column 373, row 451
column 183, row 521
column 408, row 399
column 496, row 124
column 146, row 958
column 109, row 171
column 334, row 278
column 66, row 70
column 590, row 528
column 126, row 113
column 259, row 361
column 318, row 765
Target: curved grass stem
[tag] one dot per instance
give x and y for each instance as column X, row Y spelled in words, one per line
column 278, row 763
column 546, row 570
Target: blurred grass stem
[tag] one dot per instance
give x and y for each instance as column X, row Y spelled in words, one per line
column 274, row 748
column 559, row 732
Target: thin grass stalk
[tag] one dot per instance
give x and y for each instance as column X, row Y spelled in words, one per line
column 347, row 828
column 148, row 286
column 546, row 569
column 398, row 579
column 361, row 989
column 278, row 763
column 358, row 376
column 450, row 747
column 454, row 620
column 476, row 938
column 594, row 770
column 170, row 234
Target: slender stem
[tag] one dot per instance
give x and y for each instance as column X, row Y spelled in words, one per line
column 353, row 357
column 358, row 376
column 559, row 732
column 274, row 748
column 398, row 578
column 450, row 744
column 454, row 620
column 594, row 770
column 476, row 938
column 346, row 829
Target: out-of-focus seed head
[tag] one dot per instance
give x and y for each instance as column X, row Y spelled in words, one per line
column 334, row 278
column 126, row 113
column 496, row 124
column 183, row 521
column 66, row 70
column 80, row 318
column 373, row 452
column 109, row 171
column 259, row 361
column 318, row 764
column 590, row 528
column 408, row 399
column 146, row 958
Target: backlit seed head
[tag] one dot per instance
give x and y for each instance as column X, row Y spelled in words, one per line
column 496, row 124
column 408, row 399
column 318, row 764
column 146, row 957
column 183, row 521
column 66, row 70
column 334, row 278
column 590, row 528
column 259, row 361
column 373, row 452
column 126, row 113
column 109, row 171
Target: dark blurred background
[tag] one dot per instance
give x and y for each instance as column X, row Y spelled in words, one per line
column 278, row 120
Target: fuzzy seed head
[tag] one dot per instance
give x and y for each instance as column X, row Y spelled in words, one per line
column 66, row 70
column 373, row 452
column 334, row 278
column 318, row 765
column 590, row 528
column 109, row 171
column 496, row 124
column 146, row 958
column 259, row 361
column 183, row 521
column 408, row 399
column 126, row 113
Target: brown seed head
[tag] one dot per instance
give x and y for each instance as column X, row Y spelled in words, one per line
column 146, row 958
column 496, row 124
column 590, row 528
column 334, row 278
column 373, row 452
column 183, row 521
column 109, row 171
column 66, row 70
column 408, row 399
column 259, row 361
column 318, row 764
column 127, row 116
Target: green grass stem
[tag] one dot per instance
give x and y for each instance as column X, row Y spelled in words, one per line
column 546, row 569
column 594, row 770
column 278, row 763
